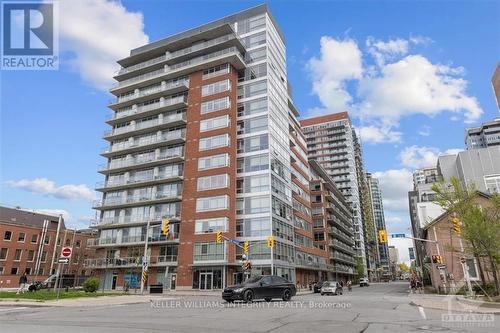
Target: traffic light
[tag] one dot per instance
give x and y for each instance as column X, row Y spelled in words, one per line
column 457, row 226
column 382, row 236
column 270, row 241
column 218, row 237
column 437, row 259
column 165, row 227
column 246, row 247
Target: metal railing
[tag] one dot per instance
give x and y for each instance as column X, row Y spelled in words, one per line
column 132, row 111
column 118, row 220
column 172, row 135
column 126, row 162
column 147, row 124
column 137, row 198
column 109, row 184
column 149, row 91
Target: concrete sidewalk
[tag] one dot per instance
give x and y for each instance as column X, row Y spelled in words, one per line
column 453, row 303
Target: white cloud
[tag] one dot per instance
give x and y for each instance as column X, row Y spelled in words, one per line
column 54, row 212
column 400, row 84
column 340, row 61
column 374, row 134
column 424, row 130
column 417, row 157
column 98, row 33
column 395, row 184
column 47, row 187
column 382, row 51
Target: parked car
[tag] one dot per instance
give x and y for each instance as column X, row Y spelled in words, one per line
column 331, row 288
column 264, row 287
column 363, row 282
column 317, row 286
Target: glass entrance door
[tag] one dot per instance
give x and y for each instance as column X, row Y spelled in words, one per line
column 205, row 280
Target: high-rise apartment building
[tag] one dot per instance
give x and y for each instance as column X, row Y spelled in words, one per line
column 484, row 136
column 495, row 83
column 333, row 224
column 198, row 137
column 332, row 142
column 379, row 219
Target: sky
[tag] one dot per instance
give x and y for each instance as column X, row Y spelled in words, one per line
column 413, row 75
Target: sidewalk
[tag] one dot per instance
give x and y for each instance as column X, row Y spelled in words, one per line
column 81, row 301
column 453, row 303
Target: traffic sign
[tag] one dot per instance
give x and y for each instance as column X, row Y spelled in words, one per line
column 441, row 267
column 63, row 260
column 66, row 252
column 234, row 241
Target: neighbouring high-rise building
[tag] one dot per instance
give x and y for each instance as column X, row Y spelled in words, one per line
column 205, row 133
column 332, row 142
column 379, row 219
column 484, row 136
column 495, row 82
column 333, row 224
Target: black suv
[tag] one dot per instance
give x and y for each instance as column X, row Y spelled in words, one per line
column 260, row 287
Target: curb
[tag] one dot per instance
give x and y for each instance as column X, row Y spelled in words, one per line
column 481, row 304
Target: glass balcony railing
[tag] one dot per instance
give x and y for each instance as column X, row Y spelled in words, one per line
column 133, row 219
column 169, row 136
column 128, row 261
column 149, row 91
column 131, row 181
column 148, row 107
column 147, row 124
column 137, row 198
column 168, row 69
column 128, row 162
column 172, row 55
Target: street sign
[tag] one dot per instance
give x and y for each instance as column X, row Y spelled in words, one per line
column 441, row 267
column 63, row 260
column 234, row 241
column 66, row 252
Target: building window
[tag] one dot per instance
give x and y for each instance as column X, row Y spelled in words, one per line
column 212, row 203
column 253, row 184
column 211, row 225
column 253, row 205
column 213, row 182
column 209, row 251
column 216, row 71
column 17, row 255
column 1, row 270
column 28, row 270
column 492, row 183
column 31, row 255
column 34, row 239
column 3, row 253
column 21, row 237
column 253, row 163
column 44, row 256
column 215, row 88
column 214, row 123
column 68, row 242
column 215, row 105
column 471, row 265
column 214, row 142
column 214, row 161
column 7, row 236
column 13, row 271
column 77, row 243
column 47, row 239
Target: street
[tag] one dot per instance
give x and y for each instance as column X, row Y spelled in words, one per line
column 377, row 308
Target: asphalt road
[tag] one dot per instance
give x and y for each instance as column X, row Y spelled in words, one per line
column 378, row 308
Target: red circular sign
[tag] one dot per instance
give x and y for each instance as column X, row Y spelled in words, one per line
column 66, row 252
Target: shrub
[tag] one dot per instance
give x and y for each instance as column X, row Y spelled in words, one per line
column 489, row 288
column 91, row 285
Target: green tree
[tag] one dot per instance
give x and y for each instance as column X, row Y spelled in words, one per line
column 480, row 225
column 403, row 267
column 359, row 268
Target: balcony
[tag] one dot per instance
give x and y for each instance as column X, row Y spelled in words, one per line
column 343, row 257
column 168, row 104
column 127, row 262
column 341, row 246
column 132, row 220
column 340, row 235
column 174, row 155
column 116, row 185
column 230, row 39
column 131, row 240
column 231, row 55
column 128, row 201
column 172, row 137
column 310, row 264
column 143, row 127
column 171, row 87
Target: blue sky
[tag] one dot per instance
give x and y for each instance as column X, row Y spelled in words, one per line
column 413, row 74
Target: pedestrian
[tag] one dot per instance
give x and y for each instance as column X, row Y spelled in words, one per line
column 23, row 280
column 413, row 285
column 349, row 285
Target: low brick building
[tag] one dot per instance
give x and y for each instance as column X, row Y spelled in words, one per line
column 22, row 249
column 448, row 276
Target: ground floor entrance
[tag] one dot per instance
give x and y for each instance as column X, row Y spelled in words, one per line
column 207, row 278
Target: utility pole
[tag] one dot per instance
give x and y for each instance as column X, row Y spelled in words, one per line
column 145, row 259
